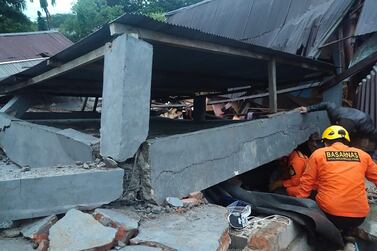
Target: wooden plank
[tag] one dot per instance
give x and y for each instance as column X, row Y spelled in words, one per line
column 272, row 86
column 61, row 69
column 362, row 65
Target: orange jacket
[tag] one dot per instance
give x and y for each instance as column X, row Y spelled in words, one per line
column 296, row 163
column 339, row 172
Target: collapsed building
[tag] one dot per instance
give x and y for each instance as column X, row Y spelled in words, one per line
column 115, row 147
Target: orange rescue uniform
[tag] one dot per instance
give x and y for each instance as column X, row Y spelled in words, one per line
column 296, row 163
column 339, row 173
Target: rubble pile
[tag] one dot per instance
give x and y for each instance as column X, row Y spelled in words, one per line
column 148, row 227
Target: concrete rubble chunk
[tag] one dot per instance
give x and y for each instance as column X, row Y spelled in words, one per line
column 271, row 233
column 40, row 193
column 129, row 220
column 11, row 233
column 140, row 248
column 202, row 228
column 174, row 201
column 40, row 227
column 80, row 231
column 15, row 244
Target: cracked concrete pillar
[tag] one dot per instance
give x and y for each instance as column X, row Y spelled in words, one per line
column 126, row 97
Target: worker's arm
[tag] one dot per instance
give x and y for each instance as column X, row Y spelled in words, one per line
column 296, row 169
column 321, row 106
column 371, row 172
column 308, row 179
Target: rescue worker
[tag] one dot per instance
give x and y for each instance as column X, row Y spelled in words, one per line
column 297, row 161
column 338, row 172
column 356, row 122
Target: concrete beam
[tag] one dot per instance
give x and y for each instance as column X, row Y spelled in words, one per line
column 126, row 97
column 180, row 164
column 18, row 105
column 42, row 146
column 55, row 190
column 273, row 97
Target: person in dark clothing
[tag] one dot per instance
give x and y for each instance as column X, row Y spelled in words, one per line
column 356, row 122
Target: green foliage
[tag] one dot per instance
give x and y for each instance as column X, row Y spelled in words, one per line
column 11, row 17
column 88, row 16
column 41, row 22
column 58, row 20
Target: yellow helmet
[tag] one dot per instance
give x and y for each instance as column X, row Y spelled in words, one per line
column 335, row 132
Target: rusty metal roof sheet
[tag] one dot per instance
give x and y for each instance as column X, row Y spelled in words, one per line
column 30, row 45
column 367, row 22
column 294, row 26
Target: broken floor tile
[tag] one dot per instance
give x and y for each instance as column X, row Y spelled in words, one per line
column 202, row 228
column 79, row 231
column 40, row 227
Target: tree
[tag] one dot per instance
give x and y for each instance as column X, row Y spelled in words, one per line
column 41, row 22
column 11, row 17
column 89, row 16
column 44, row 7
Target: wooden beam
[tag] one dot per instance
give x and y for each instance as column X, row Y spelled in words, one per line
column 360, row 66
column 149, row 35
column 266, row 94
column 61, row 69
column 273, row 97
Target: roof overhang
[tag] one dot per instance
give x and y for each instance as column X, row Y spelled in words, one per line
column 185, row 61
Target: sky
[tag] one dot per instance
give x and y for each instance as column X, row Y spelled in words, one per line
column 62, row 6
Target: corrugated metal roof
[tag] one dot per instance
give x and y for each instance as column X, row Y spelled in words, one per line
column 286, row 25
column 367, row 95
column 30, row 45
column 10, row 68
column 367, row 22
column 177, row 67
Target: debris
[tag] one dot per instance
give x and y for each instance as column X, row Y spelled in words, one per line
column 86, row 166
column 15, row 244
column 39, row 229
column 25, row 169
column 110, row 163
column 43, row 245
column 174, row 201
column 202, row 228
column 97, row 161
column 126, row 222
column 140, row 248
column 79, row 163
column 101, row 165
column 190, row 202
column 80, row 231
column 11, row 233
column 196, row 195
column 4, row 224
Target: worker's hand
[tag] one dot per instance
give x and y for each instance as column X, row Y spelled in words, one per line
column 275, row 185
column 302, row 109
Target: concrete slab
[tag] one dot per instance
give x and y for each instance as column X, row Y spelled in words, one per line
column 125, row 97
column 47, row 191
column 15, row 244
column 42, row 146
column 167, row 164
column 201, row 228
column 79, row 231
column 128, row 220
column 39, row 227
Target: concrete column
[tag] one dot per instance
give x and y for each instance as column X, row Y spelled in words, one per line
column 126, row 97
column 200, row 106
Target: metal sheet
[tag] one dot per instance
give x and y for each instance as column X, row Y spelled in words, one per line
column 367, row 95
column 285, row 25
column 178, row 68
column 30, row 45
column 11, row 68
column 367, row 22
